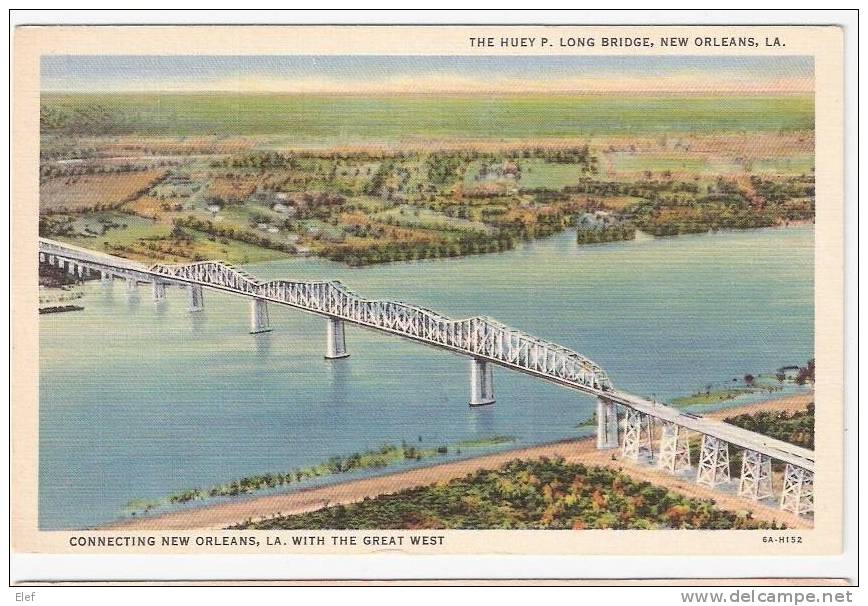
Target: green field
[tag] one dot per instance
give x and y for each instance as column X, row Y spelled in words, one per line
column 129, row 231
column 331, row 119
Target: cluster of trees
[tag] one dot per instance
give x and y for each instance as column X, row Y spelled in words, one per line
column 568, row 155
column 699, row 217
column 537, row 222
column 806, row 373
column 92, row 119
column 389, row 251
column 233, row 233
column 796, row 427
column 442, row 169
column 435, row 226
column 608, row 233
column 778, row 191
column 54, row 277
column 387, row 455
column 375, row 185
column 51, row 226
column 538, row 494
column 53, row 171
column 62, row 148
column 675, row 207
column 261, row 160
column 178, row 247
column 317, row 205
column 637, row 189
column 576, row 154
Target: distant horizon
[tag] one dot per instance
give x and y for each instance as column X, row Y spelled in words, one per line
column 638, row 93
column 425, row 75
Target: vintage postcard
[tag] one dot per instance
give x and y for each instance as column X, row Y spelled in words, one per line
column 440, row 290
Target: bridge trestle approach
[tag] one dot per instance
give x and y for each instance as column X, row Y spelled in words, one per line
column 797, row 494
column 756, row 476
column 674, row 448
column 486, row 343
column 713, row 462
column 673, row 454
column 637, row 436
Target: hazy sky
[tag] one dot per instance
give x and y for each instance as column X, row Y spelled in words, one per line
column 406, row 74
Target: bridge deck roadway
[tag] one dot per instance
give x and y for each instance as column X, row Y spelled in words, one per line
column 776, row 449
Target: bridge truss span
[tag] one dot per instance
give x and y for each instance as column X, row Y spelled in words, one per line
column 480, row 337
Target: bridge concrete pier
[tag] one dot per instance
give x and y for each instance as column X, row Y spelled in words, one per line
column 607, row 424
column 259, row 316
column 195, row 299
column 756, row 476
column 797, row 495
column 713, row 462
column 132, row 284
column 158, row 289
column 336, row 343
column 481, row 383
column 70, row 268
column 105, row 278
column 81, row 271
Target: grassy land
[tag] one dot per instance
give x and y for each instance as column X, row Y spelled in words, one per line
column 333, row 120
column 539, row 494
column 716, row 396
column 750, row 384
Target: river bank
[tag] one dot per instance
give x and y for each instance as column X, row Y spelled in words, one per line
column 583, row 450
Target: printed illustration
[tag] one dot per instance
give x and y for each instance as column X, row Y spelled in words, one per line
column 426, row 292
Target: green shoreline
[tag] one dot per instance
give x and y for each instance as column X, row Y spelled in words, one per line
column 385, row 456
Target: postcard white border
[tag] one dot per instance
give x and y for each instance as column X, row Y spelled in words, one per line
column 33, row 567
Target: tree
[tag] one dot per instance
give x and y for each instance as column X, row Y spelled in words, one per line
column 806, row 373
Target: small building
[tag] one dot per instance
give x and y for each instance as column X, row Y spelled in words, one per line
column 279, row 207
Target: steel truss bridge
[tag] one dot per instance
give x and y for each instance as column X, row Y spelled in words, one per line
column 624, row 421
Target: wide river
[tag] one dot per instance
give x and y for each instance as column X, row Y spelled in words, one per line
column 139, row 400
